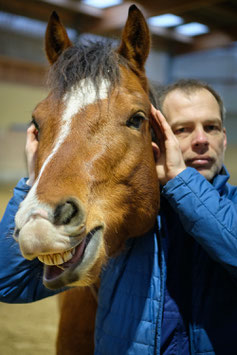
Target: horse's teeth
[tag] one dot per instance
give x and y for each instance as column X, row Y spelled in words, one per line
column 44, row 259
column 57, row 259
column 66, row 256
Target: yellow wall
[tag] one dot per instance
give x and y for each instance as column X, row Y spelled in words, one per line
column 17, row 103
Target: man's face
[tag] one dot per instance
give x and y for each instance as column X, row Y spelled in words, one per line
column 196, row 122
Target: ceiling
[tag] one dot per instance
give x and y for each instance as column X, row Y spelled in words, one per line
column 219, row 15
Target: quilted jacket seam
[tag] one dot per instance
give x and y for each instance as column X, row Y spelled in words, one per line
column 211, row 213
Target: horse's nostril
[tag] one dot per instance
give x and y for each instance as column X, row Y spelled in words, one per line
column 68, row 212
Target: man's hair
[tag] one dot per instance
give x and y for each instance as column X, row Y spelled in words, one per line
column 189, row 86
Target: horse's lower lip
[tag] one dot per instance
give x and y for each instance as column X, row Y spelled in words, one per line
column 53, row 273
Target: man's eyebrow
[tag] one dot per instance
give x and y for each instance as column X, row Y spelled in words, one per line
column 181, row 123
column 185, row 122
column 214, row 119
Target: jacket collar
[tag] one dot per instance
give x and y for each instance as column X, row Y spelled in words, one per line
column 221, row 179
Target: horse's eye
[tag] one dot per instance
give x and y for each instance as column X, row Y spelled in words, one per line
column 135, row 121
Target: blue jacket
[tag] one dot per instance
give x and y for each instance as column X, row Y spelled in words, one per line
column 20, row 279
column 132, row 294
column 131, row 302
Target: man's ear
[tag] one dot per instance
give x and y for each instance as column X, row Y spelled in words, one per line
column 135, row 43
column 225, row 138
column 56, row 38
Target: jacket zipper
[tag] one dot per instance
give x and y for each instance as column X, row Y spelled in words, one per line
column 159, row 237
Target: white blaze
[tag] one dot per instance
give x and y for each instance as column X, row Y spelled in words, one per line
column 78, row 98
column 75, row 100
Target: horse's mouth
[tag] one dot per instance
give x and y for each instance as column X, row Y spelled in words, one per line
column 73, row 263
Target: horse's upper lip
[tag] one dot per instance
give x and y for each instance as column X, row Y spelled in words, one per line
column 40, row 238
column 75, row 236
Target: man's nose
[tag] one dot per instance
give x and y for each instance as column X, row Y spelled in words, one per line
column 200, row 137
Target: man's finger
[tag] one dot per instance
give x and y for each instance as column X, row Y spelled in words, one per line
column 166, row 129
column 31, row 135
column 154, row 120
column 155, row 124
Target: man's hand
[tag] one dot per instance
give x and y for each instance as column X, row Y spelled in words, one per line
column 171, row 162
column 31, row 151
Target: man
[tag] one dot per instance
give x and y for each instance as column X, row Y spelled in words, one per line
column 174, row 290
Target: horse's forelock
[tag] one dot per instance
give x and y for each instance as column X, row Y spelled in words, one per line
column 92, row 60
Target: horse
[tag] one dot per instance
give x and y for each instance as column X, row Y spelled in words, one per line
column 95, row 178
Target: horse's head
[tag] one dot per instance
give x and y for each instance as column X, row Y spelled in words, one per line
column 96, row 182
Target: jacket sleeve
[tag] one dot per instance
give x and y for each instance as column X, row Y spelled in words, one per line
column 208, row 216
column 20, row 279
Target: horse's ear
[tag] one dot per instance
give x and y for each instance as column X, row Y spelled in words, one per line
column 135, row 44
column 56, row 38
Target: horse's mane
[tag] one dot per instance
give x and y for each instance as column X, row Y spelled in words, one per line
column 94, row 60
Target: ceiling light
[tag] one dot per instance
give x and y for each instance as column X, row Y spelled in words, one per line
column 166, row 20
column 101, row 4
column 192, row 29
column 27, row 26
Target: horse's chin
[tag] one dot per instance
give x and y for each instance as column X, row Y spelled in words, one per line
column 78, row 270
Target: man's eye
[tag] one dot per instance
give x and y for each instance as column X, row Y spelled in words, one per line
column 211, row 128
column 180, row 130
column 135, row 121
